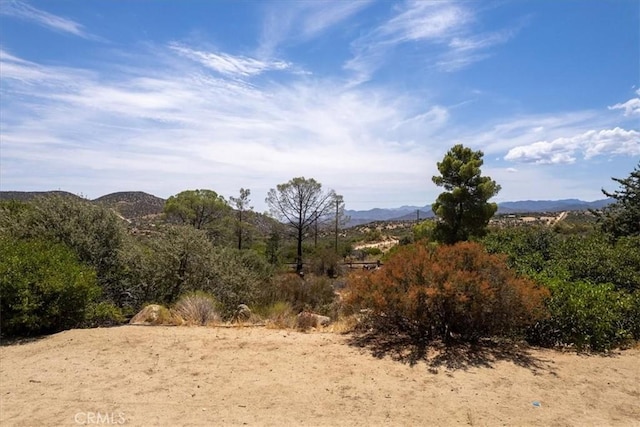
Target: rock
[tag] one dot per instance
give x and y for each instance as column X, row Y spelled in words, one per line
column 307, row 320
column 154, row 314
column 243, row 313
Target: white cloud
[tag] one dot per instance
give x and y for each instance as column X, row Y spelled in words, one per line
column 631, row 107
column 521, row 130
column 593, row 143
column 26, row 12
column 299, row 21
column 227, row 64
column 424, row 20
column 180, row 128
column 443, row 29
column 464, row 51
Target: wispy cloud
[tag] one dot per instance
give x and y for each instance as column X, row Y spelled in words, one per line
column 444, row 29
column 425, row 20
column 631, row 107
column 297, row 22
column 227, row 64
column 22, row 10
column 464, row 51
column 593, row 143
column 180, row 127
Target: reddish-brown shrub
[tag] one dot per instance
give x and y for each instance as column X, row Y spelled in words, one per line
column 440, row 292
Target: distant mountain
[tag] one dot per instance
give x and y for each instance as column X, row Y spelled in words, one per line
column 551, row 205
column 408, row 213
column 137, row 204
column 379, row 214
column 132, row 204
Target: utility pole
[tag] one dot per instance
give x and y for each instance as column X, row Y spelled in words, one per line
column 418, row 215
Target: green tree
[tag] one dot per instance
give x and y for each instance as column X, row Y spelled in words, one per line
column 463, row 209
column 201, row 209
column 241, row 205
column 622, row 218
column 299, row 203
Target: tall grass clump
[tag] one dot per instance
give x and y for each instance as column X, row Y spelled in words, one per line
column 197, row 308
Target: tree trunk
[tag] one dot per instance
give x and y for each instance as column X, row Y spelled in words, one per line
column 299, row 258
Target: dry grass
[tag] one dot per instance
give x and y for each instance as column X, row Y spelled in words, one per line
column 197, row 308
column 344, row 324
column 154, row 314
column 279, row 315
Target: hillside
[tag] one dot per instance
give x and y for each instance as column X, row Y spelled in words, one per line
column 25, row 196
column 132, row 204
column 137, row 204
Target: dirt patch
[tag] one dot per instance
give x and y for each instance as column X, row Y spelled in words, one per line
column 202, row 376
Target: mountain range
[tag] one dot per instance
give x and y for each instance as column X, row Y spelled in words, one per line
column 137, row 204
column 406, row 213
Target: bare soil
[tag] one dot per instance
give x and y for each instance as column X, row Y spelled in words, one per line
column 204, row 376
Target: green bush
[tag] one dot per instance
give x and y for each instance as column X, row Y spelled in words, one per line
column 164, row 266
column 593, row 317
column 324, row 261
column 103, row 314
column 313, row 293
column 43, row 287
column 595, row 259
column 235, row 278
column 92, row 232
column 372, row 251
column 529, row 250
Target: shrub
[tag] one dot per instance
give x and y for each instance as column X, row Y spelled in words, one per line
column 43, row 287
column 197, row 308
column 278, row 315
column 528, row 249
column 167, row 265
column 597, row 260
column 312, row 293
column 93, row 233
column 325, row 261
column 439, row 292
column 103, row 314
column 235, row 278
column 590, row 316
column 372, row 251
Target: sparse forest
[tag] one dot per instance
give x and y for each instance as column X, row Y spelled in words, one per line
column 66, row 262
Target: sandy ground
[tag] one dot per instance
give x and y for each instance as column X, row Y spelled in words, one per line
column 173, row 376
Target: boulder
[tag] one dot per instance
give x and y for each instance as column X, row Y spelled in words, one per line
column 311, row 320
column 154, row 314
column 243, row 313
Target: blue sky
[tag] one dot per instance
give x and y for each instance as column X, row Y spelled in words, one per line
column 364, row 96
